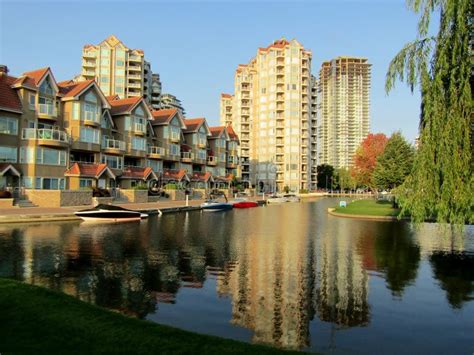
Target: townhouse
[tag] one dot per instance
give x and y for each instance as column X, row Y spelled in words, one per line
column 69, row 135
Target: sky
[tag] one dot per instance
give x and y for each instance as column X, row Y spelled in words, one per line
column 196, row 46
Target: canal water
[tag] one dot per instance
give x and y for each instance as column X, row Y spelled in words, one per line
column 287, row 275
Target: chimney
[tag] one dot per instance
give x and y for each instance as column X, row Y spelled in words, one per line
column 3, row 69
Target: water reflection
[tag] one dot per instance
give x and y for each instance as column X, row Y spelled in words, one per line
column 285, row 269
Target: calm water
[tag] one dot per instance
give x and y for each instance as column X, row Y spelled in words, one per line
column 288, row 275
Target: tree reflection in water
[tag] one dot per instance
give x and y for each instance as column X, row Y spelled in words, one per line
column 281, row 267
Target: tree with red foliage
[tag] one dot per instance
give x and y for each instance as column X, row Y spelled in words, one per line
column 366, row 157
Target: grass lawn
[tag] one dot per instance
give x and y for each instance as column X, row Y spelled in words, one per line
column 37, row 320
column 369, row 208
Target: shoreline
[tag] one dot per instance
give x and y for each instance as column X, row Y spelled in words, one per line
column 332, row 212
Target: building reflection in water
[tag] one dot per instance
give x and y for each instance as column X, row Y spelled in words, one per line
column 282, row 267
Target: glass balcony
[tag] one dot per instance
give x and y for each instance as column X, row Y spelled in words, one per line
column 46, row 135
column 156, row 151
column 139, row 128
column 47, row 110
column 114, row 144
column 187, row 156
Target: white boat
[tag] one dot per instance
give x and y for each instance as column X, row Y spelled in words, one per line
column 215, row 206
column 276, row 199
column 109, row 213
column 291, row 198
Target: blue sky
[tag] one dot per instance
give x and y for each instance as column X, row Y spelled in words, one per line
column 196, row 45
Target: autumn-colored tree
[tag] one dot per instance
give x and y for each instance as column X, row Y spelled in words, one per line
column 366, row 157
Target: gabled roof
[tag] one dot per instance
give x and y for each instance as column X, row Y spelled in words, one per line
column 123, row 106
column 138, row 173
column 175, row 175
column 9, row 99
column 34, row 78
column 227, row 96
column 217, row 131
column 161, row 117
column 194, row 124
column 89, row 170
column 5, row 167
column 71, row 90
column 201, row 177
column 112, row 97
column 232, row 134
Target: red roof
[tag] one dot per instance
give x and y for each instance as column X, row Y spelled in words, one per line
column 197, row 176
column 71, row 88
column 282, row 43
column 226, row 178
column 163, row 116
column 8, row 97
column 4, row 167
column 216, row 131
column 123, row 105
column 227, row 96
column 231, row 133
column 193, row 124
column 89, row 170
column 137, row 173
column 176, row 175
column 112, row 97
column 185, row 148
column 36, row 75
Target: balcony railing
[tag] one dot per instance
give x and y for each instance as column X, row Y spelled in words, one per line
column 174, row 136
column 187, row 155
column 153, row 150
column 45, row 134
column 212, row 160
column 113, row 144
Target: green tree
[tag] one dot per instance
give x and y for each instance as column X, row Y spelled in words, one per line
column 442, row 180
column 344, row 179
column 395, row 163
column 325, row 173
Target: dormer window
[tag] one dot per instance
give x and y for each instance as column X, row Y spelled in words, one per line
column 46, row 88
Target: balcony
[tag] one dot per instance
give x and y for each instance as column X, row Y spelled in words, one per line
column 113, row 146
column 211, row 161
column 134, row 68
column 88, row 73
column 88, row 63
column 134, row 76
column 134, row 93
column 187, row 157
column 202, row 143
column 232, row 162
column 46, row 111
column 47, row 137
column 134, row 85
column 156, row 152
column 135, row 58
column 89, row 55
column 139, row 129
column 174, row 137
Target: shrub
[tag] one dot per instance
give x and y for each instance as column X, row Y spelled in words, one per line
column 140, row 187
column 99, row 192
column 303, row 191
column 5, row 194
column 171, row 186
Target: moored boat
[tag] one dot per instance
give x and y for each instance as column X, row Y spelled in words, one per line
column 276, row 199
column 110, row 213
column 216, row 206
column 243, row 203
column 291, row 198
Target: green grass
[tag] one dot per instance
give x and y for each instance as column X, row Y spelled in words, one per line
column 34, row 319
column 369, row 208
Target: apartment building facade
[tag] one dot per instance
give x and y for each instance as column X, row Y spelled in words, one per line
column 168, row 101
column 118, row 69
column 273, row 117
column 344, row 109
column 226, row 109
column 70, row 135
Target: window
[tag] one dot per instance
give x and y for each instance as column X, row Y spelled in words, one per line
column 156, row 165
column 104, row 79
column 201, row 154
column 119, row 80
column 50, row 183
column 47, row 156
column 76, row 110
column 119, row 89
column 32, row 101
column 113, row 161
column 8, row 125
column 119, row 71
column 8, row 154
column 138, row 143
column 120, row 63
column 89, row 135
column 84, row 183
column 174, row 149
column 46, row 87
column 222, row 157
column 46, row 105
column 91, row 112
column 27, row 182
column 120, row 53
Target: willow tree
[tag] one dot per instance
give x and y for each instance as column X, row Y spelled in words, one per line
column 441, row 183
